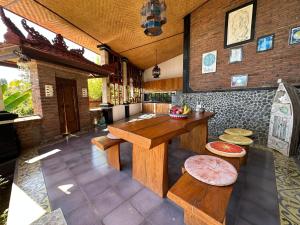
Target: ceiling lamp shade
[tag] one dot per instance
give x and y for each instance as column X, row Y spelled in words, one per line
column 153, row 15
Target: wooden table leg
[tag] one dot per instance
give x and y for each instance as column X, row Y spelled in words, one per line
column 113, row 157
column 150, row 167
column 196, row 139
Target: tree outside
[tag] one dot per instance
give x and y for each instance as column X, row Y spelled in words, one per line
column 17, row 96
column 95, row 89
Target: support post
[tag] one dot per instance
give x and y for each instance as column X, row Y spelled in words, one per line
column 104, row 53
column 1, row 101
column 124, row 69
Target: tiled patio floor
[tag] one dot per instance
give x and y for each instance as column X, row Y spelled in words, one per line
column 79, row 182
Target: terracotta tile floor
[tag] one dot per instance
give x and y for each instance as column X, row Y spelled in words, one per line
column 89, row 192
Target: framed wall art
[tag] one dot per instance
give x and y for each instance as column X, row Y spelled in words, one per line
column 294, row 36
column 209, row 62
column 240, row 25
column 239, row 81
column 265, row 43
column 236, row 55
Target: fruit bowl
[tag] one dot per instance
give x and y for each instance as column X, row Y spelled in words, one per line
column 178, row 116
column 179, row 112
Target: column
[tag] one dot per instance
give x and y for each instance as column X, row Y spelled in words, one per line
column 124, row 69
column 105, row 91
column 1, row 100
column 104, row 54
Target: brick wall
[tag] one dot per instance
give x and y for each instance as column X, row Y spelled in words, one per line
column 29, row 131
column 207, row 34
column 44, row 74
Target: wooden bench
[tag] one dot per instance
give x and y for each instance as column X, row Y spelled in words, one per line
column 112, row 148
column 203, row 204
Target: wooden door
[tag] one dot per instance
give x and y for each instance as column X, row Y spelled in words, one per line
column 67, row 105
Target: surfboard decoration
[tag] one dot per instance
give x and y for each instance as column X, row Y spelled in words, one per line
column 284, row 129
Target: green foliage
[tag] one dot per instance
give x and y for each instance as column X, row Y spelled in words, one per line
column 18, row 97
column 95, row 88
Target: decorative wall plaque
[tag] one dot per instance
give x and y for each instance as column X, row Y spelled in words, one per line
column 236, row 55
column 240, row 25
column 49, row 91
column 84, row 92
column 209, row 62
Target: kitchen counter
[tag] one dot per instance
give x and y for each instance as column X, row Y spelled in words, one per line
column 156, row 107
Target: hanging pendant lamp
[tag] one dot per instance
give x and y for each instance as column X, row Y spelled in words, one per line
column 153, row 15
column 156, row 69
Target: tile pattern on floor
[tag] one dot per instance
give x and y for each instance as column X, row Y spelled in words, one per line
column 288, row 186
column 29, row 178
column 89, row 192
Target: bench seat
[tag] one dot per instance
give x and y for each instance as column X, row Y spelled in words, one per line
column 112, row 148
column 203, row 204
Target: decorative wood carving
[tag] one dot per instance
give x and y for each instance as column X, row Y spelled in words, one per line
column 13, row 34
column 59, row 43
column 33, row 36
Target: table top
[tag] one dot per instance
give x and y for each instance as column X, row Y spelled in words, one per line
column 149, row 133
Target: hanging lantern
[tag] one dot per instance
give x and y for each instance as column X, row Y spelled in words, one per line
column 156, row 72
column 153, row 15
column 156, row 69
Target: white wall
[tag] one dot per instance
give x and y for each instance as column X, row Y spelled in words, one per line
column 168, row 69
column 118, row 112
column 135, row 108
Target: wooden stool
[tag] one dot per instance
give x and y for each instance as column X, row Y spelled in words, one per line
column 112, row 148
column 239, row 131
column 242, row 141
column 231, row 153
column 203, row 204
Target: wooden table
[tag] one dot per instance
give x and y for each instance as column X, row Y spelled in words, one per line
column 150, row 145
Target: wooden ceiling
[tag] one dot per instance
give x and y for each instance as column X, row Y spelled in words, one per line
column 113, row 22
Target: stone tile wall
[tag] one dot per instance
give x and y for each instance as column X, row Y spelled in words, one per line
column 244, row 109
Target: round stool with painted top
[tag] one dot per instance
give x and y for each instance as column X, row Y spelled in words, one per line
column 242, row 141
column 211, row 170
column 232, row 153
column 239, row 131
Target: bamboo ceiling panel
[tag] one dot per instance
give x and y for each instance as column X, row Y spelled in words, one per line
column 113, row 22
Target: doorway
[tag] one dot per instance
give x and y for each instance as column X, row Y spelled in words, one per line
column 67, row 105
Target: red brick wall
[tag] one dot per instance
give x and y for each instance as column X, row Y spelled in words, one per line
column 46, row 107
column 207, row 34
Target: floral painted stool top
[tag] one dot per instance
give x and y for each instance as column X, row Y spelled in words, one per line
column 113, row 137
column 211, row 170
column 225, row 149
column 235, row 139
column 239, row 131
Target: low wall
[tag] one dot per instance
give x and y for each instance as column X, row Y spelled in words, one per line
column 29, row 131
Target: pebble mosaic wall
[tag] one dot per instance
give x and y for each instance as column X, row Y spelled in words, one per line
column 244, row 109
